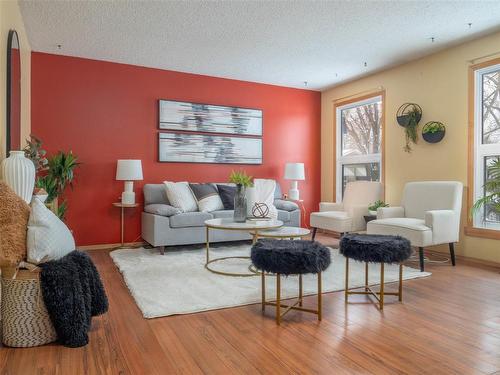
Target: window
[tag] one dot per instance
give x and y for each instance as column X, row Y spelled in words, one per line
column 359, row 142
column 486, row 143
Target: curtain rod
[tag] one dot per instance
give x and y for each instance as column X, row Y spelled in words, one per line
column 376, row 89
column 473, row 61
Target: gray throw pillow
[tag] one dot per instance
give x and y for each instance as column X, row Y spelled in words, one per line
column 207, row 197
column 283, row 205
column 162, row 209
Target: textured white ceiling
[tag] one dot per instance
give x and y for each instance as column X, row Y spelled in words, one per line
column 278, row 42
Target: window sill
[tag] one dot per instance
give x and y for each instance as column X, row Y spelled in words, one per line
column 482, row 232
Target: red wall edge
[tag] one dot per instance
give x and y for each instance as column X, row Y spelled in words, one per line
column 107, row 111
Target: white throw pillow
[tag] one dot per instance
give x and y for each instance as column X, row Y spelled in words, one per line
column 179, row 195
column 48, row 237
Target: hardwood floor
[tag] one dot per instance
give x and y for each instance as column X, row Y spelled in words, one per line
column 449, row 323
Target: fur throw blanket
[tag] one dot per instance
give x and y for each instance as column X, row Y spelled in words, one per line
column 73, row 293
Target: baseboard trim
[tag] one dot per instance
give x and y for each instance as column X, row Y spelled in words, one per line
column 110, row 246
column 468, row 260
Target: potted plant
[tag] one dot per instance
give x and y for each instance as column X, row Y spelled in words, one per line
column 372, row 209
column 242, row 181
column 54, row 174
column 433, row 131
column 491, row 188
column 408, row 116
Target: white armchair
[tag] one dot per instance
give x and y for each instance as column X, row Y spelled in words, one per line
column 347, row 216
column 429, row 215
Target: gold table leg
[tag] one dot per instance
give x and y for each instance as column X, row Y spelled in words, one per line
column 300, row 290
column 366, row 277
column 263, row 291
column 278, row 298
column 381, row 286
column 320, row 308
column 346, row 278
column 400, row 291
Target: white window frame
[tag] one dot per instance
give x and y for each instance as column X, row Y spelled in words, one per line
column 357, row 159
column 481, row 150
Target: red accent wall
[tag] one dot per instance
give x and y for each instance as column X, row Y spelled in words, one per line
column 107, row 111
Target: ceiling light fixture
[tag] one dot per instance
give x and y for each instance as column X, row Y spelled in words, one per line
column 59, row 46
column 432, row 39
column 305, row 83
column 470, row 25
column 365, row 64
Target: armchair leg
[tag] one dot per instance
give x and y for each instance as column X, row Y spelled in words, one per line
column 452, row 253
column 314, row 233
column 421, row 256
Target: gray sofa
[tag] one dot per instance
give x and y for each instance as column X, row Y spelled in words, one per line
column 170, row 228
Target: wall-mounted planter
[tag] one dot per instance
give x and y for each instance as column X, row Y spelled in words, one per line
column 433, row 132
column 408, row 116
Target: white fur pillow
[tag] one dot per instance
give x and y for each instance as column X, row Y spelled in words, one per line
column 48, row 237
column 180, row 196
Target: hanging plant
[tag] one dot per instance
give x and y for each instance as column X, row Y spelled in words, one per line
column 408, row 116
column 433, row 131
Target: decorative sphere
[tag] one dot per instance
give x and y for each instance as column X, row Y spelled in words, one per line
column 260, row 210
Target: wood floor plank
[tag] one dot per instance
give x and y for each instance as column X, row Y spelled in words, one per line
column 449, row 323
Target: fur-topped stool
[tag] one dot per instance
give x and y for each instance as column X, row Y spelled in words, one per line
column 375, row 249
column 289, row 257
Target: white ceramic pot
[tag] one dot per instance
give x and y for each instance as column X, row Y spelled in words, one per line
column 18, row 172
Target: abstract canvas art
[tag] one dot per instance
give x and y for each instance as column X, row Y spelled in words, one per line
column 203, row 148
column 207, row 118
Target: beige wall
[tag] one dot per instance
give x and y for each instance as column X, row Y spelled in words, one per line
column 10, row 18
column 439, row 83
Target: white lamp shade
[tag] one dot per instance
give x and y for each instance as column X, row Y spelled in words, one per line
column 294, row 171
column 129, row 170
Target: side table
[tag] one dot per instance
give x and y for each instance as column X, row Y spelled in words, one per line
column 123, row 207
column 300, row 203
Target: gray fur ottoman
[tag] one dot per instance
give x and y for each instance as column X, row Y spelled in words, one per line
column 374, row 248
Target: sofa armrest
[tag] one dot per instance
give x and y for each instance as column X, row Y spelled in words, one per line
column 444, row 226
column 390, row 212
column 285, row 205
column 161, row 209
column 330, row 206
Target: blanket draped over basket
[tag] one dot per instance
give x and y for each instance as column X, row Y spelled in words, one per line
column 73, row 293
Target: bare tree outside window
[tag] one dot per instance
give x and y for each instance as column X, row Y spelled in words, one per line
column 361, row 129
column 491, row 107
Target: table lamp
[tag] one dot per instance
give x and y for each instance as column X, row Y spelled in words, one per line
column 128, row 171
column 295, row 173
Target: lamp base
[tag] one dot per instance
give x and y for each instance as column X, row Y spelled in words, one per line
column 128, row 197
column 293, row 194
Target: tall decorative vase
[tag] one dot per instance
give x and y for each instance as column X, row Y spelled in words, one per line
column 18, row 172
column 240, row 205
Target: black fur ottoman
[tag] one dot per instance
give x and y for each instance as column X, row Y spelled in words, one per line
column 373, row 248
column 289, row 257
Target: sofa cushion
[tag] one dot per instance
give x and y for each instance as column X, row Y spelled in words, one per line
column 226, row 194
column 414, row 230
column 190, row 219
column 337, row 221
column 161, row 209
column 284, row 216
column 207, row 197
column 155, row 193
column 284, row 205
column 223, row 214
column 180, row 195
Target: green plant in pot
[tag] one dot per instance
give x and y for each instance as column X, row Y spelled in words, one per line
column 408, row 116
column 433, row 131
column 491, row 199
column 242, row 182
column 372, row 209
column 54, row 174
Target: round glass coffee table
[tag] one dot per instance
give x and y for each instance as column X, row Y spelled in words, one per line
column 284, row 233
column 254, row 227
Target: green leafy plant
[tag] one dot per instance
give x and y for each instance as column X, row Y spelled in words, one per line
column 433, row 127
column 492, row 188
column 411, row 134
column 374, row 206
column 241, row 178
column 36, row 153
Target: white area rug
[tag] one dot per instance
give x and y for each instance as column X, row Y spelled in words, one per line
column 178, row 283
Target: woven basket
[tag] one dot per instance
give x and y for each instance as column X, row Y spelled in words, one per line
column 26, row 322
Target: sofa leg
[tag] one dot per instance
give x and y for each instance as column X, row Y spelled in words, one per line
column 162, row 250
column 452, row 253
column 314, row 233
column 421, row 256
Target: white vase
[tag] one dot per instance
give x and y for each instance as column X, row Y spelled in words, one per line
column 18, row 172
column 251, row 199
